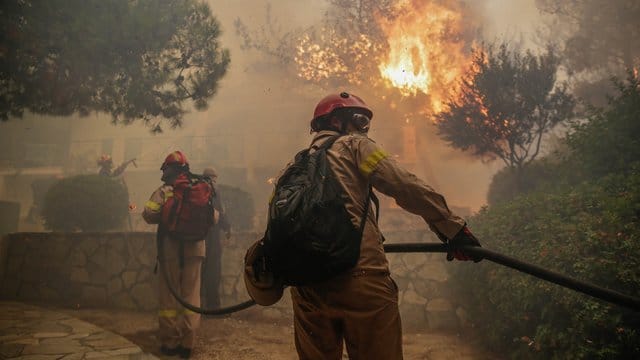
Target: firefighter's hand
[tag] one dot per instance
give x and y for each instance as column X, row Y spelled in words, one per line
column 463, row 238
column 227, row 234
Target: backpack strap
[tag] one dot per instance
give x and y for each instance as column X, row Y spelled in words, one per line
column 185, row 195
column 327, row 144
column 363, row 221
column 370, row 195
column 376, row 202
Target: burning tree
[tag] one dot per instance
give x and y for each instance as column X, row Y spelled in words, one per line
column 402, row 56
column 137, row 60
column 506, row 103
column 414, row 48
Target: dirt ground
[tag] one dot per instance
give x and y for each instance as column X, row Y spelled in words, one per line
column 248, row 336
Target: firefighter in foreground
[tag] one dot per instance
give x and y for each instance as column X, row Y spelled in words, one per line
column 360, row 306
column 181, row 233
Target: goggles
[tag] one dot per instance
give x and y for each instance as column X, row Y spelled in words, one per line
column 361, row 121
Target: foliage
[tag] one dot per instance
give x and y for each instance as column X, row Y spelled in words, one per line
column 590, row 232
column 594, row 31
column 137, row 60
column 507, row 184
column 343, row 49
column 583, row 221
column 608, row 142
column 605, row 143
column 238, row 205
column 507, row 103
column 85, row 203
column 597, row 37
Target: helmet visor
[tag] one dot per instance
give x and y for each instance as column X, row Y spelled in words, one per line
column 356, row 117
column 361, row 121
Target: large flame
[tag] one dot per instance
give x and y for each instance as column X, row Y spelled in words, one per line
column 426, row 49
column 407, row 69
column 330, row 55
column 421, row 50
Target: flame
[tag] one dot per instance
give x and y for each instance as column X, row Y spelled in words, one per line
column 426, row 50
column 406, row 70
column 330, row 55
column 419, row 49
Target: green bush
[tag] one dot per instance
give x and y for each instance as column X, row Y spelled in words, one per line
column 609, row 141
column 85, row 203
column 505, row 185
column 583, row 220
column 590, row 232
column 238, row 205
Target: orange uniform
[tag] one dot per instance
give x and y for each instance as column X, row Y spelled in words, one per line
column 361, row 306
column 177, row 325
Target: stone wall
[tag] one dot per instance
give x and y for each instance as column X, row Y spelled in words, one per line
column 81, row 269
column 117, row 270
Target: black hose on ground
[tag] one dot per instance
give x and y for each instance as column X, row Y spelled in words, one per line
column 537, row 271
column 186, row 304
column 534, row 270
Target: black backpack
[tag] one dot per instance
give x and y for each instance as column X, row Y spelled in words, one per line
column 310, row 237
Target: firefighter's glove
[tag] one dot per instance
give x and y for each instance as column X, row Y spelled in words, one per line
column 227, row 234
column 463, row 238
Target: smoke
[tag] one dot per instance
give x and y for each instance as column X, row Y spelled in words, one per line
column 281, row 108
column 260, row 117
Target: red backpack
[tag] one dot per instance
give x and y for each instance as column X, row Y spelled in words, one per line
column 188, row 214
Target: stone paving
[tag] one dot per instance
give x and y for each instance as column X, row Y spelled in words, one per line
column 32, row 333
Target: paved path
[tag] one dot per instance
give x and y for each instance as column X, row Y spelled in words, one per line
column 32, row 333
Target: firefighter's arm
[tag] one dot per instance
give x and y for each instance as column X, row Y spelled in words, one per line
column 120, row 169
column 153, row 207
column 409, row 192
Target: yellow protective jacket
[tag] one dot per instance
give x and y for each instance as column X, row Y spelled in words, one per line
column 152, row 215
column 357, row 161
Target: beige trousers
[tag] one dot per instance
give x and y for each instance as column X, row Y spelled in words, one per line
column 359, row 311
column 178, row 325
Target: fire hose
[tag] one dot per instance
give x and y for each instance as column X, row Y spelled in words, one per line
column 608, row 295
column 537, row 271
column 185, row 303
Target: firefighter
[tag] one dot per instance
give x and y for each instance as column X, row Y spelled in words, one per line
column 177, row 325
column 106, row 165
column 211, row 270
column 358, row 308
column 105, row 162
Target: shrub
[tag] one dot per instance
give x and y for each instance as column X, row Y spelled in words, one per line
column 85, row 203
column 609, row 141
column 238, row 205
column 590, row 232
column 505, row 184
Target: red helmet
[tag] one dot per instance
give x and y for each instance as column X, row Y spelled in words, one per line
column 104, row 159
column 176, row 158
column 336, row 101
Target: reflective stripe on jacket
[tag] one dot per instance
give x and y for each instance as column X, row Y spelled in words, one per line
column 357, row 161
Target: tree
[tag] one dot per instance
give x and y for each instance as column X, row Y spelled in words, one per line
column 341, row 50
column 505, row 105
column 600, row 39
column 239, row 207
column 608, row 142
column 583, row 222
column 136, row 60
